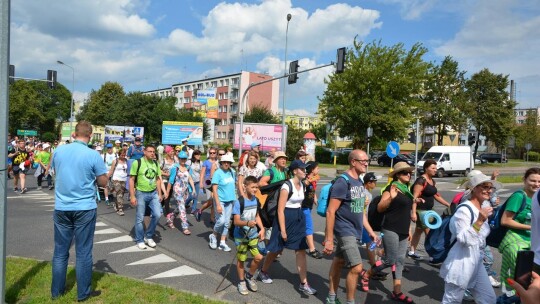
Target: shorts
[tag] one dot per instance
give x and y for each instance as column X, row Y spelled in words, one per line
column 17, row 170
column 366, row 239
column 242, row 248
column 309, row 221
column 347, row 249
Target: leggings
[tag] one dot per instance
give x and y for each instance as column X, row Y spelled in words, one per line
column 395, row 248
column 167, row 203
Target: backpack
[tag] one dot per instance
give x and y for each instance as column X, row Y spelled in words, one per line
column 324, row 196
column 497, row 233
column 241, row 201
column 241, row 160
column 375, row 218
column 269, row 210
column 438, row 241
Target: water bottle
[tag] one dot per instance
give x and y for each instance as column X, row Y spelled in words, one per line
column 374, row 245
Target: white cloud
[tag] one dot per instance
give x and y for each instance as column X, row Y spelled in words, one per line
column 413, row 9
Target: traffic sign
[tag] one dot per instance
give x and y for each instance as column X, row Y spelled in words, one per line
column 392, row 150
column 528, row 146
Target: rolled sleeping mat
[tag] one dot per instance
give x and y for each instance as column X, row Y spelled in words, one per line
column 430, row 219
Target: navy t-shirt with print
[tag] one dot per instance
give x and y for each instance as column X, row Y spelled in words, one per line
column 349, row 216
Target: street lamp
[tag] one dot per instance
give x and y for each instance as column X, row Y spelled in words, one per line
column 289, row 16
column 72, row 96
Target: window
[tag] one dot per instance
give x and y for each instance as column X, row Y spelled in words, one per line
column 226, row 95
column 221, row 83
column 226, row 82
column 214, row 84
column 200, row 86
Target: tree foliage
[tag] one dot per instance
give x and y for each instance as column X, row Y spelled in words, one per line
column 295, row 140
column 98, row 108
column 261, row 114
column 527, row 133
column 490, row 109
column 379, row 88
column 444, row 98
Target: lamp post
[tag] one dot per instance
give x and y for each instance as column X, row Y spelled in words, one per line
column 289, row 16
column 72, row 97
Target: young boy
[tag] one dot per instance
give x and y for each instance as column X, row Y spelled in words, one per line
column 246, row 237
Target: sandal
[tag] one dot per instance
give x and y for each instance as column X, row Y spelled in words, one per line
column 400, row 297
column 186, row 232
column 364, row 280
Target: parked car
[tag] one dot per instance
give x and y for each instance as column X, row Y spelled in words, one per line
column 494, row 157
column 385, row 160
column 479, row 161
column 420, row 155
column 375, row 155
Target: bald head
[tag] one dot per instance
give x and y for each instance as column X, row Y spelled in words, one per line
column 357, row 154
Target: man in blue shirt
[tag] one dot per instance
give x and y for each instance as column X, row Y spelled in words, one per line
column 77, row 169
column 136, row 151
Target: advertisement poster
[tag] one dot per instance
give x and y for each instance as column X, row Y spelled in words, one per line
column 203, row 96
column 212, row 111
column 123, row 133
column 268, row 135
column 172, row 133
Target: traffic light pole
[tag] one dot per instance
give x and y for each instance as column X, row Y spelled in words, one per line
column 254, row 84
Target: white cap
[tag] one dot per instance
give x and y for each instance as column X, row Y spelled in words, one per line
column 117, row 142
column 227, row 158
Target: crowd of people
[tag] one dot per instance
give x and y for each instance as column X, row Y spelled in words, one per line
column 174, row 181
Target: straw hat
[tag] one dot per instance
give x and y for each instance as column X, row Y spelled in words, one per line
column 400, row 167
column 279, row 154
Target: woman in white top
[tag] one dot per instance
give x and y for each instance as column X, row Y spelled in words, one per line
column 289, row 228
column 250, row 169
column 463, row 268
column 119, row 174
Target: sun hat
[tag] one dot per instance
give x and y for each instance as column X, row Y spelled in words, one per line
column 117, row 141
column 279, row 154
column 227, row 158
column 479, row 179
column 468, row 178
column 45, row 146
column 400, row 167
column 182, row 154
column 168, row 149
column 297, row 164
column 255, row 144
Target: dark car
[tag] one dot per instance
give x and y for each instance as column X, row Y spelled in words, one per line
column 494, row 157
column 385, row 160
column 375, row 155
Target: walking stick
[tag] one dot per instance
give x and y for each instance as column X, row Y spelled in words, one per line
column 232, row 262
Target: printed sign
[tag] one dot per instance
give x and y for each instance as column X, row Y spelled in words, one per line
column 124, row 133
column 204, row 96
column 268, row 135
column 172, row 133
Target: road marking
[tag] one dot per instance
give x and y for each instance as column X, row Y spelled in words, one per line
column 52, row 205
column 319, row 233
column 107, row 231
column 120, row 239
column 176, row 272
column 160, row 258
column 100, row 224
column 133, row 249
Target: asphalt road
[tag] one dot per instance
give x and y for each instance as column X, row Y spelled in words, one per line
column 187, row 263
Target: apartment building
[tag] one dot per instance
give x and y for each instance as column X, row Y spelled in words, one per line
column 521, row 115
column 303, row 122
column 228, row 90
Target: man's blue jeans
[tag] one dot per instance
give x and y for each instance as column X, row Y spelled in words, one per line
column 69, row 226
column 151, row 200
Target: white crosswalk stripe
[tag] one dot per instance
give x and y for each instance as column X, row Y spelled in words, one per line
column 160, row 258
column 176, row 272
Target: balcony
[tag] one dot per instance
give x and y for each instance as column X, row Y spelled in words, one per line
column 233, row 99
column 234, row 86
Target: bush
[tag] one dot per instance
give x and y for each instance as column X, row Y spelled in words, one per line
column 323, row 156
column 533, row 156
column 48, row 137
column 343, row 158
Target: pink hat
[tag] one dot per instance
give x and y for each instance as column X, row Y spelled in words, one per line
column 168, row 149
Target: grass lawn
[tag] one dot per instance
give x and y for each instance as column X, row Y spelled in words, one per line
column 29, row 281
column 510, row 163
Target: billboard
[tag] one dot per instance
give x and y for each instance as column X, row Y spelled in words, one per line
column 172, row 133
column 268, row 135
column 124, row 133
column 204, row 95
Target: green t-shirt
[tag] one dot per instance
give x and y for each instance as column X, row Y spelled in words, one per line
column 278, row 175
column 45, row 157
column 148, row 174
column 524, row 217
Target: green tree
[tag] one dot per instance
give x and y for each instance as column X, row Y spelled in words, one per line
column 295, row 140
column 444, row 98
column 98, row 109
column 261, row 114
column 379, row 87
column 320, row 131
column 489, row 108
column 528, row 132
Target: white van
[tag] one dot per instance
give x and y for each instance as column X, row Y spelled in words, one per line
column 450, row 160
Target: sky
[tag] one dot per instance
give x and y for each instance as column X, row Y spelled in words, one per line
column 149, row 44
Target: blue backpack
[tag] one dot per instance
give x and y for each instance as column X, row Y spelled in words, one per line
column 438, row 241
column 497, row 233
column 324, row 196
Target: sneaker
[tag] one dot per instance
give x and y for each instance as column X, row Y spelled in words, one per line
column 150, row 242
column 315, row 254
column 51, row 187
column 107, row 203
column 39, row 188
column 305, row 288
column 141, row 246
column 336, row 301
column 504, row 299
column 242, row 289
column 413, row 255
column 467, row 296
column 434, row 264
column 213, row 241
column 251, row 282
column 15, row 189
column 198, row 214
column 264, row 277
column 494, row 282
column 120, row 212
column 223, row 246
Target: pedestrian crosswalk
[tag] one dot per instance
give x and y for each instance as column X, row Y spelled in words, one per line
column 105, row 235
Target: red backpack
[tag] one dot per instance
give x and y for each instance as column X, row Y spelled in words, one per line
column 241, row 160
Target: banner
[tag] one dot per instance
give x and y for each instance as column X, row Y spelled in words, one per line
column 203, row 96
column 268, row 135
column 172, row 133
column 27, row 132
column 123, row 133
column 212, row 111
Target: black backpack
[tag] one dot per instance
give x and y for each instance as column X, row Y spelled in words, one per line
column 375, row 218
column 269, row 210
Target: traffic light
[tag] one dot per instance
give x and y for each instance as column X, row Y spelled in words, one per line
column 51, row 78
column 472, row 138
column 11, row 73
column 340, row 66
column 293, row 68
column 412, row 137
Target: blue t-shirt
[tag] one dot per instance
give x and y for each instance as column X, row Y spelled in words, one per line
column 225, row 184
column 249, row 214
column 350, row 214
column 76, row 167
column 135, row 152
column 208, row 168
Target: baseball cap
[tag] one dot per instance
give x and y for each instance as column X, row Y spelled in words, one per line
column 370, row 177
column 297, row 164
column 117, row 141
column 182, row 154
column 108, row 146
column 255, row 144
column 137, row 138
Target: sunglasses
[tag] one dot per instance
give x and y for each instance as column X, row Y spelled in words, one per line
column 221, row 154
column 405, row 173
column 212, row 152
